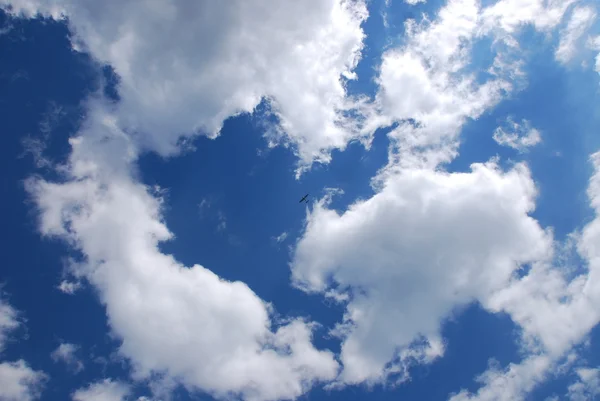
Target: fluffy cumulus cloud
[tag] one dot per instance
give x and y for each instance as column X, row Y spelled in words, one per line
column 67, row 354
column 106, row 390
column 519, row 136
column 581, row 20
column 381, row 251
column 186, row 66
column 18, row 381
column 169, row 316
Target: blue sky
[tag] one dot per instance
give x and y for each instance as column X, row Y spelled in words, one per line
column 153, row 159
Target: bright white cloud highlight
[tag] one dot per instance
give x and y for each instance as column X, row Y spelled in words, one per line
column 519, row 136
column 106, row 390
column 581, row 20
column 66, row 353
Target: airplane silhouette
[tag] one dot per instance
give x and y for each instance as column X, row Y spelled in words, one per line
column 304, row 199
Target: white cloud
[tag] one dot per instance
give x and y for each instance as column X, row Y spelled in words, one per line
column 428, row 240
column 66, row 353
column 555, row 314
column 281, row 237
column 594, row 44
column 18, row 382
column 106, row 390
column 511, row 15
column 8, row 322
column 509, row 384
column 185, row 66
column 519, row 136
column 69, row 287
column 424, row 85
column 588, row 386
column 380, row 251
column 185, row 322
column 581, row 20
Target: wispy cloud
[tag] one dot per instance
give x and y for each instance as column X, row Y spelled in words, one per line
column 66, row 353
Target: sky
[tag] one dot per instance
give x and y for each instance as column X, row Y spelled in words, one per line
column 153, row 155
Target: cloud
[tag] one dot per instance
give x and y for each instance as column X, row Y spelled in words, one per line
column 425, row 85
column 66, row 353
column 430, row 242
column 508, row 16
column 281, row 237
column 18, row 382
column 513, row 383
column 519, row 136
column 587, row 387
column 106, row 390
column 375, row 256
column 186, row 66
column 555, row 313
column 8, row 322
column 581, row 20
column 69, row 287
column 168, row 316
column 380, row 252
column 594, row 44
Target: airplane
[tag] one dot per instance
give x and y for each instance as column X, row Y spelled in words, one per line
column 304, row 199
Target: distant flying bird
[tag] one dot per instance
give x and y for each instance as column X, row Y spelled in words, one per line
column 304, row 199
